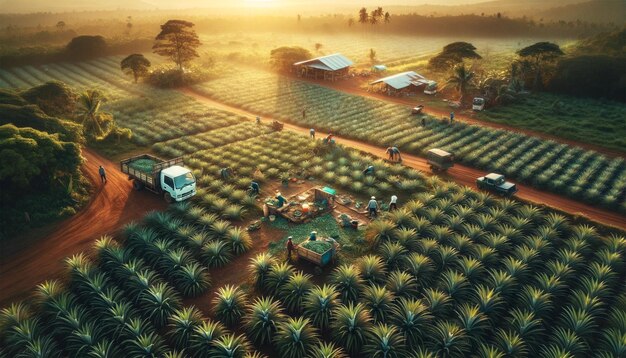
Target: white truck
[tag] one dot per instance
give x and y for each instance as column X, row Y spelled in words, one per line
column 478, row 104
column 168, row 178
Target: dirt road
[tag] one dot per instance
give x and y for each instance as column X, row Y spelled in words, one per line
column 37, row 256
column 460, row 174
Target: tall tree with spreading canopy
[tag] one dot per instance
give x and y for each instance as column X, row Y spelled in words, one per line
column 136, row 65
column 387, row 17
column 540, row 55
column 453, row 54
column 283, row 58
column 462, row 80
column 178, row 41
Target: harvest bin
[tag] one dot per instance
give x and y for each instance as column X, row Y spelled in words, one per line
column 319, row 259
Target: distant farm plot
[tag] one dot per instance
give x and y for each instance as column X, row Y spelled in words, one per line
column 575, row 172
column 355, row 46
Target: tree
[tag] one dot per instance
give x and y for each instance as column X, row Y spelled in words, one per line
column 374, row 18
column 461, row 79
column 372, row 55
column 178, row 41
column 318, row 47
column 363, row 16
column 453, row 54
column 350, row 22
column 60, row 25
column 540, row 54
column 97, row 124
column 55, row 98
column 135, row 64
column 86, row 47
column 387, row 18
column 283, row 58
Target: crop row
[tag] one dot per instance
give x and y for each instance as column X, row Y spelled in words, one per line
column 581, row 174
column 123, row 301
column 221, row 136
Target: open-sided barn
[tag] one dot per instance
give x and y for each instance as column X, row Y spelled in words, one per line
column 330, row 67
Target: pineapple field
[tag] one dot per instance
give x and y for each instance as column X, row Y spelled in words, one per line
column 452, row 273
column 287, row 229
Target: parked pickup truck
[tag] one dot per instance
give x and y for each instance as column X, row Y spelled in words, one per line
column 163, row 177
column 496, row 183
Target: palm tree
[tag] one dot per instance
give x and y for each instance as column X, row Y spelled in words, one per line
column 385, row 342
column 295, row 337
column 319, row 304
column 462, row 79
column 96, row 123
column 229, row 305
column 262, row 318
column 363, row 16
column 350, row 325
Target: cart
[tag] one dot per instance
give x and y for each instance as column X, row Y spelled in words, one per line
column 322, row 259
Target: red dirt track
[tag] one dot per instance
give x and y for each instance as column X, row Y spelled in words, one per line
column 38, row 255
column 459, row 173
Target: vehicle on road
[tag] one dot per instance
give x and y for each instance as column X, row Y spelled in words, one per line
column 168, row 178
column 431, row 88
column 417, row 109
column 478, row 104
column 439, row 160
column 497, row 184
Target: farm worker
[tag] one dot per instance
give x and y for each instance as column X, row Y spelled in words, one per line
column 451, row 117
column 372, row 206
column 312, row 133
column 281, row 200
column 313, row 236
column 393, row 203
column 289, row 247
column 329, row 138
column 303, row 113
column 389, row 151
column 254, row 187
column 258, row 120
column 369, row 170
column 423, row 121
column 103, row 174
column 225, row 172
column 396, row 153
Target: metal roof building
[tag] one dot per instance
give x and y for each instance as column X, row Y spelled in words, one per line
column 328, row 67
column 403, row 80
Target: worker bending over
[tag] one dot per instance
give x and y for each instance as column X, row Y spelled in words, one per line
column 369, row 170
column 313, row 236
column 396, row 153
column 254, row 188
column 281, row 200
column 225, row 173
column 393, row 204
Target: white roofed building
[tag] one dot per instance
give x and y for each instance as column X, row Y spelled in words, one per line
column 402, row 83
column 330, row 67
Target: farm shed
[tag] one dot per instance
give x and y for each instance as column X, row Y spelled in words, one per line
column 331, row 67
column 402, row 83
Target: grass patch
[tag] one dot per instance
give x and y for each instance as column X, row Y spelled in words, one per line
column 599, row 122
